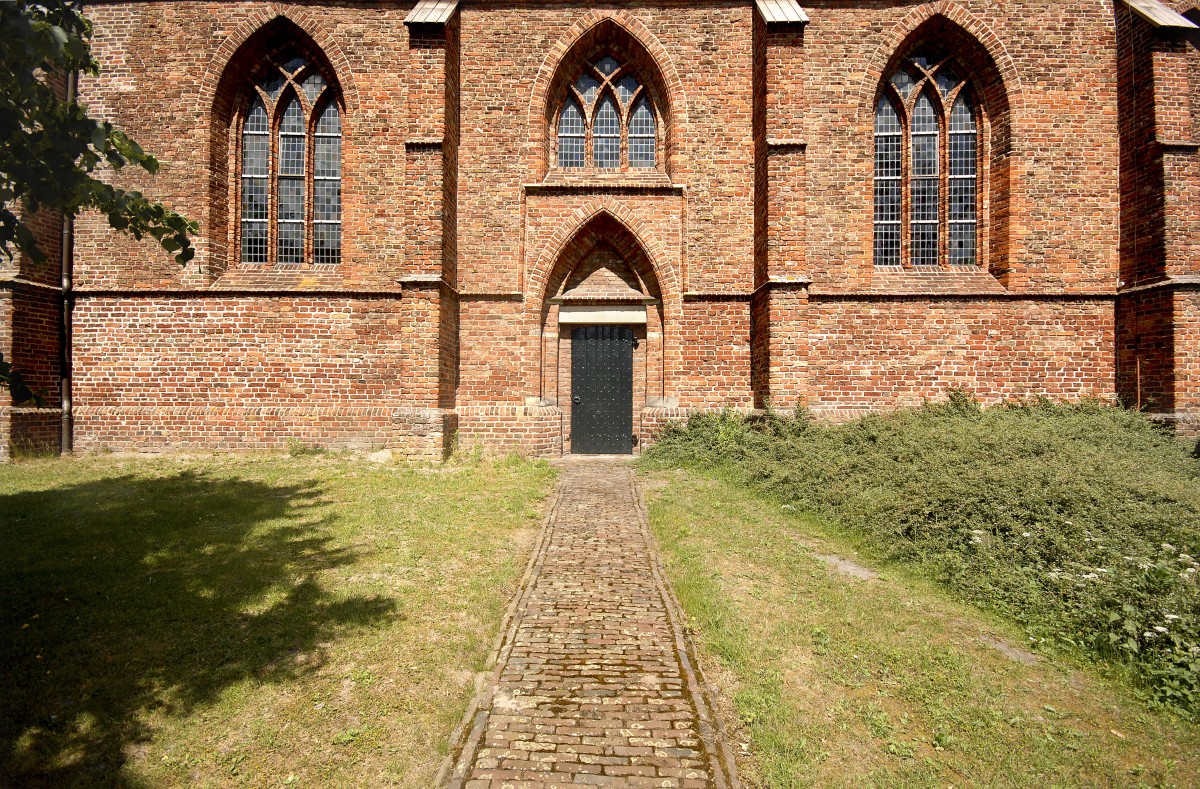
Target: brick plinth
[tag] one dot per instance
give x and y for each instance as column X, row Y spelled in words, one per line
column 536, row 431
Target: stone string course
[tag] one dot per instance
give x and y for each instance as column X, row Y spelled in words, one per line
column 594, row 682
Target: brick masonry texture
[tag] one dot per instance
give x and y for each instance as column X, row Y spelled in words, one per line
column 593, row 683
column 751, row 240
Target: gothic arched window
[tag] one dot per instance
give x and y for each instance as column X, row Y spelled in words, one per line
column 926, row 167
column 607, row 120
column 290, row 168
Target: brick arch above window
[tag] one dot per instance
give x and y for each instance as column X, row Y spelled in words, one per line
column 279, row 111
column 596, row 34
column 982, row 80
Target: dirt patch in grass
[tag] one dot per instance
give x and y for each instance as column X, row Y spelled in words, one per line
column 834, row 681
column 257, row 621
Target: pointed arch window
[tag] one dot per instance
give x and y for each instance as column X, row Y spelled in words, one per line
column 290, row 166
column 607, row 120
column 926, row 167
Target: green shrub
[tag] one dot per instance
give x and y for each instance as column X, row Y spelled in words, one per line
column 1081, row 522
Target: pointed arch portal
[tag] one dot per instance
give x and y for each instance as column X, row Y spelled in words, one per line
column 602, row 337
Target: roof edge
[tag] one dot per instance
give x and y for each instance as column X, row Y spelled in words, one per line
column 1160, row 15
column 782, row 12
column 431, row 12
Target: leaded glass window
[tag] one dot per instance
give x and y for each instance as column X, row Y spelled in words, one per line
column 926, row 167
column 607, row 152
column 924, row 184
column 607, row 119
column 256, row 179
column 888, row 146
column 642, row 136
column 572, row 136
column 291, row 168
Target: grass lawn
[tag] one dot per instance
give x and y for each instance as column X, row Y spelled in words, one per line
column 834, row 680
column 258, row 621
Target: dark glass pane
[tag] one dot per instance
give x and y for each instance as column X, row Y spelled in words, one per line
column 887, row 201
column 924, row 119
column 588, row 86
column 962, row 117
column 887, row 245
column 256, row 119
column 947, row 79
column 642, row 122
column 962, row 244
column 626, row 88
column 886, row 119
column 925, row 155
column 294, row 65
column 962, row 199
column 327, row 200
column 608, row 122
column 254, row 198
column 291, row 199
column 313, row 85
column 962, row 155
column 291, row 155
column 925, row 200
column 329, row 157
column 607, row 65
column 904, row 83
column 293, row 119
column 256, row 155
column 570, row 152
column 330, row 121
column 641, row 152
column 327, row 244
column 291, row 243
column 608, row 151
column 254, row 242
column 887, row 156
column 925, row 244
column 570, row 136
column 272, row 84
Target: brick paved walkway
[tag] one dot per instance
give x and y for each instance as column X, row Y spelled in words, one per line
column 593, row 683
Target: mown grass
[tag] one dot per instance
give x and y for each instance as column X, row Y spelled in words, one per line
column 832, row 680
column 1081, row 523
column 255, row 621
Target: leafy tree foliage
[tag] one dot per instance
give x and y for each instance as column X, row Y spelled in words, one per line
column 50, row 148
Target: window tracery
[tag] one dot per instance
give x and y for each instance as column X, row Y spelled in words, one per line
column 290, row 168
column 926, row 167
column 607, row 119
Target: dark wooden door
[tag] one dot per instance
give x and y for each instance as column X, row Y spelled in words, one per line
column 602, row 390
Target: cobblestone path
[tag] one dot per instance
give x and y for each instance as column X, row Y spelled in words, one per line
column 593, row 683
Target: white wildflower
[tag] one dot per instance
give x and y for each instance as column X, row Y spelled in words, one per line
column 1089, row 576
column 1170, row 617
column 1026, row 534
column 1160, row 628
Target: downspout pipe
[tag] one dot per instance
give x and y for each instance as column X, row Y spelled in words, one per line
column 66, row 441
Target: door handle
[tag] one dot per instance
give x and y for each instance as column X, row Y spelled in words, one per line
column 575, row 400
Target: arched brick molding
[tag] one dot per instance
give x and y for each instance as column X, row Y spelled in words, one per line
column 588, row 31
column 264, row 33
column 617, row 239
column 997, row 87
column 553, row 251
column 921, row 22
column 306, row 23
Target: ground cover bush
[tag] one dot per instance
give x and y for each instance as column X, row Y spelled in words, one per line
column 1080, row 522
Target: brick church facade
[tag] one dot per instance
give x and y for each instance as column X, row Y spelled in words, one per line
column 549, row 226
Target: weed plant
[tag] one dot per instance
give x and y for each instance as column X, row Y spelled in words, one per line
column 1082, row 522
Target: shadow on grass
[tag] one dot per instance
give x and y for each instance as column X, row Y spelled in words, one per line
column 133, row 595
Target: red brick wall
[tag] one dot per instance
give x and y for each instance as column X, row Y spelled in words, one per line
column 766, row 174
column 866, row 355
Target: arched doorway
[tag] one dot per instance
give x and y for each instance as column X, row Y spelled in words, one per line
column 602, row 338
